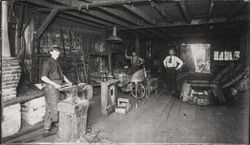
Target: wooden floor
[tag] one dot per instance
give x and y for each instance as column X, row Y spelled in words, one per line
column 166, row 119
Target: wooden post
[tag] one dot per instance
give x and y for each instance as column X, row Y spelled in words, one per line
column 5, row 34
column 137, row 43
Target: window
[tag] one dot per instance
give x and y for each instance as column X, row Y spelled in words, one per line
column 226, row 55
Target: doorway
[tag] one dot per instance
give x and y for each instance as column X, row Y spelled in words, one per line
column 196, row 57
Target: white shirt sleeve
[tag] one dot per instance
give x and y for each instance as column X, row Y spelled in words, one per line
column 165, row 61
column 180, row 62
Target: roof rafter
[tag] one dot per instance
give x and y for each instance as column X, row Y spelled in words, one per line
column 120, row 15
column 160, row 11
column 105, row 17
column 46, row 22
column 101, row 19
column 184, row 11
column 111, row 3
column 139, row 13
column 210, row 11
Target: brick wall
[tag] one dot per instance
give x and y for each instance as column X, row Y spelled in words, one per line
column 11, row 72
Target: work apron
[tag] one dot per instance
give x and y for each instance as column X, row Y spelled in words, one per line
column 52, row 96
column 134, row 68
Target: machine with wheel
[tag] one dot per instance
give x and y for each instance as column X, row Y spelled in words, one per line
column 134, row 84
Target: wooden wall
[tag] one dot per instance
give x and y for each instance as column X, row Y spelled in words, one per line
column 73, row 37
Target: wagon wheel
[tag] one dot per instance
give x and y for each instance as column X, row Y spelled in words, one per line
column 141, row 91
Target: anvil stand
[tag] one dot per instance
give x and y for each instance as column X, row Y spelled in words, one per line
column 72, row 113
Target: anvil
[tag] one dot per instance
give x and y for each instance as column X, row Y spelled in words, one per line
column 72, row 91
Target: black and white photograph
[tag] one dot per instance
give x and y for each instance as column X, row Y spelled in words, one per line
column 125, row 72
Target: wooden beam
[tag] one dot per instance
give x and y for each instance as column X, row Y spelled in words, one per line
column 104, row 17
column 87, row 1
column 87, row 18
column 111, row 3
column 120, row 15
column 23, row 132
column 72, row 13
column 160, row 11
column 236, row 11
column 4, row 30
column 22, row 99
column 139, row 13
column 184, row 11
column 77, row 20
column 46, row 22
column 194, row 22
column 211, row 8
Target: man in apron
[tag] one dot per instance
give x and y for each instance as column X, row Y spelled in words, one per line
column 135, row 60
column 172, row 64
column 53, row 77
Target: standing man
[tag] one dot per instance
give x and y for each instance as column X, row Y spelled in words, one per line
column 172, row 64
column 136, row 61
column 52, row 75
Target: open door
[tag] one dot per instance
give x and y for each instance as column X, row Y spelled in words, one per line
column 196, row 57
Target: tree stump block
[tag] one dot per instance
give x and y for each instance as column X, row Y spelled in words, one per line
column 72, row 119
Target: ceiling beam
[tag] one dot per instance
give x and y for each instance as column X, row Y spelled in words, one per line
column 160, row 11
column 73, row 13
column 77, row 20
column 120, row 15
column 194, row 22
column 87, row 1
column 111, row 3
column 104, row 17
column 184, row 11
column 46, row 22
column 236, row 11
column 139, row 13
column 210, row 11
column 76, row 5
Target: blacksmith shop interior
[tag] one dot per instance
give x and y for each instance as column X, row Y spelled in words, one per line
column 125, row 71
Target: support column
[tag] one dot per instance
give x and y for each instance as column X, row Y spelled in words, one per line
column 4, row 27
column 137, row 43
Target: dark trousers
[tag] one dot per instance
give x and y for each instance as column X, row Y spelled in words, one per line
column 171, row 78
column 52, row 96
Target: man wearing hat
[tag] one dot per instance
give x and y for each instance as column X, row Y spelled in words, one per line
column 52, row 75
column 172, row 64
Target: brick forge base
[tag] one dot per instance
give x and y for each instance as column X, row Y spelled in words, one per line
column 11, row 72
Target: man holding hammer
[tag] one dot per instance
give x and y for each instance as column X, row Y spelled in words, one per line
column 53, row 77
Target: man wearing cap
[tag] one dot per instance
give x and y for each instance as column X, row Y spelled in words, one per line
column 52, row 75
column 172, row 64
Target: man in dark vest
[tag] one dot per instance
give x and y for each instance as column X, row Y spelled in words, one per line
column 53, row 76
column 172, row 64
column 135, row 60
